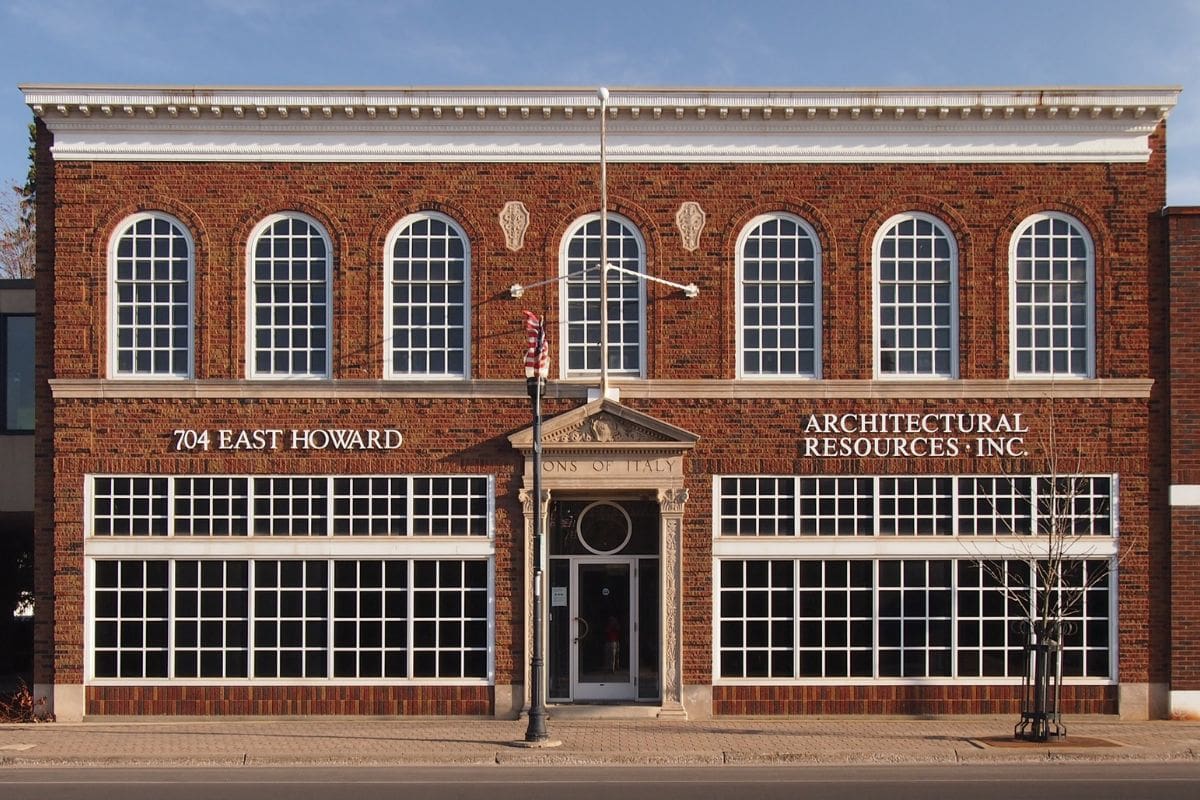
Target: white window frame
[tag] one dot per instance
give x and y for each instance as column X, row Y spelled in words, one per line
column 252, row 370
column 565, row 322
column 880, row 235
column 817, row 326
column 172, row 548
column 388, row 328
column 1090, row 289
column 122, row 229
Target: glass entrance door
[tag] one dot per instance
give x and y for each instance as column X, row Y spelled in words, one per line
column 602, row 651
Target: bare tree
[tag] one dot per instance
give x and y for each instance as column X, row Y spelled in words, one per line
column 1053, row 524
column 17, row 240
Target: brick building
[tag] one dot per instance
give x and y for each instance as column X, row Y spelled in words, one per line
column 289, row 466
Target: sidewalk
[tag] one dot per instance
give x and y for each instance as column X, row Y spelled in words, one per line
column 854, row 740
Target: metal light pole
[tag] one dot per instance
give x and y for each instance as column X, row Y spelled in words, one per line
column 536, row 369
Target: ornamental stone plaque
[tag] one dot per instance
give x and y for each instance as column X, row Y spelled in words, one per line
column 690, row 221
column 514, row 221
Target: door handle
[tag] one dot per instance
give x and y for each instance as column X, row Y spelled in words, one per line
column 586, row 628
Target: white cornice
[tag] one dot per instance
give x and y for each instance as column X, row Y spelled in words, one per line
column 688, row 125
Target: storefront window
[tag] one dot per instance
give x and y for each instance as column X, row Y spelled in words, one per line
column 16, row 345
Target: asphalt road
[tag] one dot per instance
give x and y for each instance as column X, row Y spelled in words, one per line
column 1059, row 781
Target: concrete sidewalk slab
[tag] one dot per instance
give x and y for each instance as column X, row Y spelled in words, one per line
column 473, row 741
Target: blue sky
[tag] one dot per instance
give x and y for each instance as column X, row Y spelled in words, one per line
column 836, row 43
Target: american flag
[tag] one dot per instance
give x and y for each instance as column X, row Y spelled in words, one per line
column 537, row 356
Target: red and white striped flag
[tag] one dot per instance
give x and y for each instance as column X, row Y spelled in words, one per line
column 537, row 356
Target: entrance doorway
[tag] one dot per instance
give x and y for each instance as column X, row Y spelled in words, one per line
column 603, row 652
column 605, row 603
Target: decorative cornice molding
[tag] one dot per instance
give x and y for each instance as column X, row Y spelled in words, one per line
column 854, row 125
column 114, row 102
column 867, row 150
column 1102, row 389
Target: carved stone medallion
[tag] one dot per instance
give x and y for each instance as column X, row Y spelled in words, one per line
column 514, row 221
column 690, row 221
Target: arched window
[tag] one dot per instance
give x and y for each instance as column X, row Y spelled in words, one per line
column 290, row 269
column 426, row 291
column 1052, row 316
column 150, row 298
column 779, row 298
column 580, row 298
column 916, row 298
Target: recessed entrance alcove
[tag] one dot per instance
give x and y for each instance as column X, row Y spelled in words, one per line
column 613, row 499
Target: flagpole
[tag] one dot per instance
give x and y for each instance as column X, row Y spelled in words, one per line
column 603, row 94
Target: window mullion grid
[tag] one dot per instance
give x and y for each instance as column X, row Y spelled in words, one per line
column 329, row 503
column 251, row 510
column 329, row 612
column 875, row 490
column 170, row 509
column 954, row 612
column 410, row 489
column 796, row 532
column 875, row 614
column 409, row 641
column 171, row 614
column 251, row 582
column 797, row 590
column 954, row 508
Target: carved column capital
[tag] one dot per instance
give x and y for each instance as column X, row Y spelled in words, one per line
column 526, row 498
column 671, row 501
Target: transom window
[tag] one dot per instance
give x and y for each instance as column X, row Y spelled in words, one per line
column 1053, row 274
column 899, row 506
column 290, row 270
column 580, row 298
column 916, row 290
column 294, row 505
column 428, row 266
column 150, row 323
column 779, row 267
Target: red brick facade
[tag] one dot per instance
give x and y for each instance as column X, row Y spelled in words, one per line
column 1119, row 428
column 1184, row 236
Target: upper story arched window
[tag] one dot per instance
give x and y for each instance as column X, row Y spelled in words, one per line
column 290, row 268
column 426, row 291
column 579, row 298
column 779, row 298
column 916, row 298
column 151, row 269
column 1052, row 309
